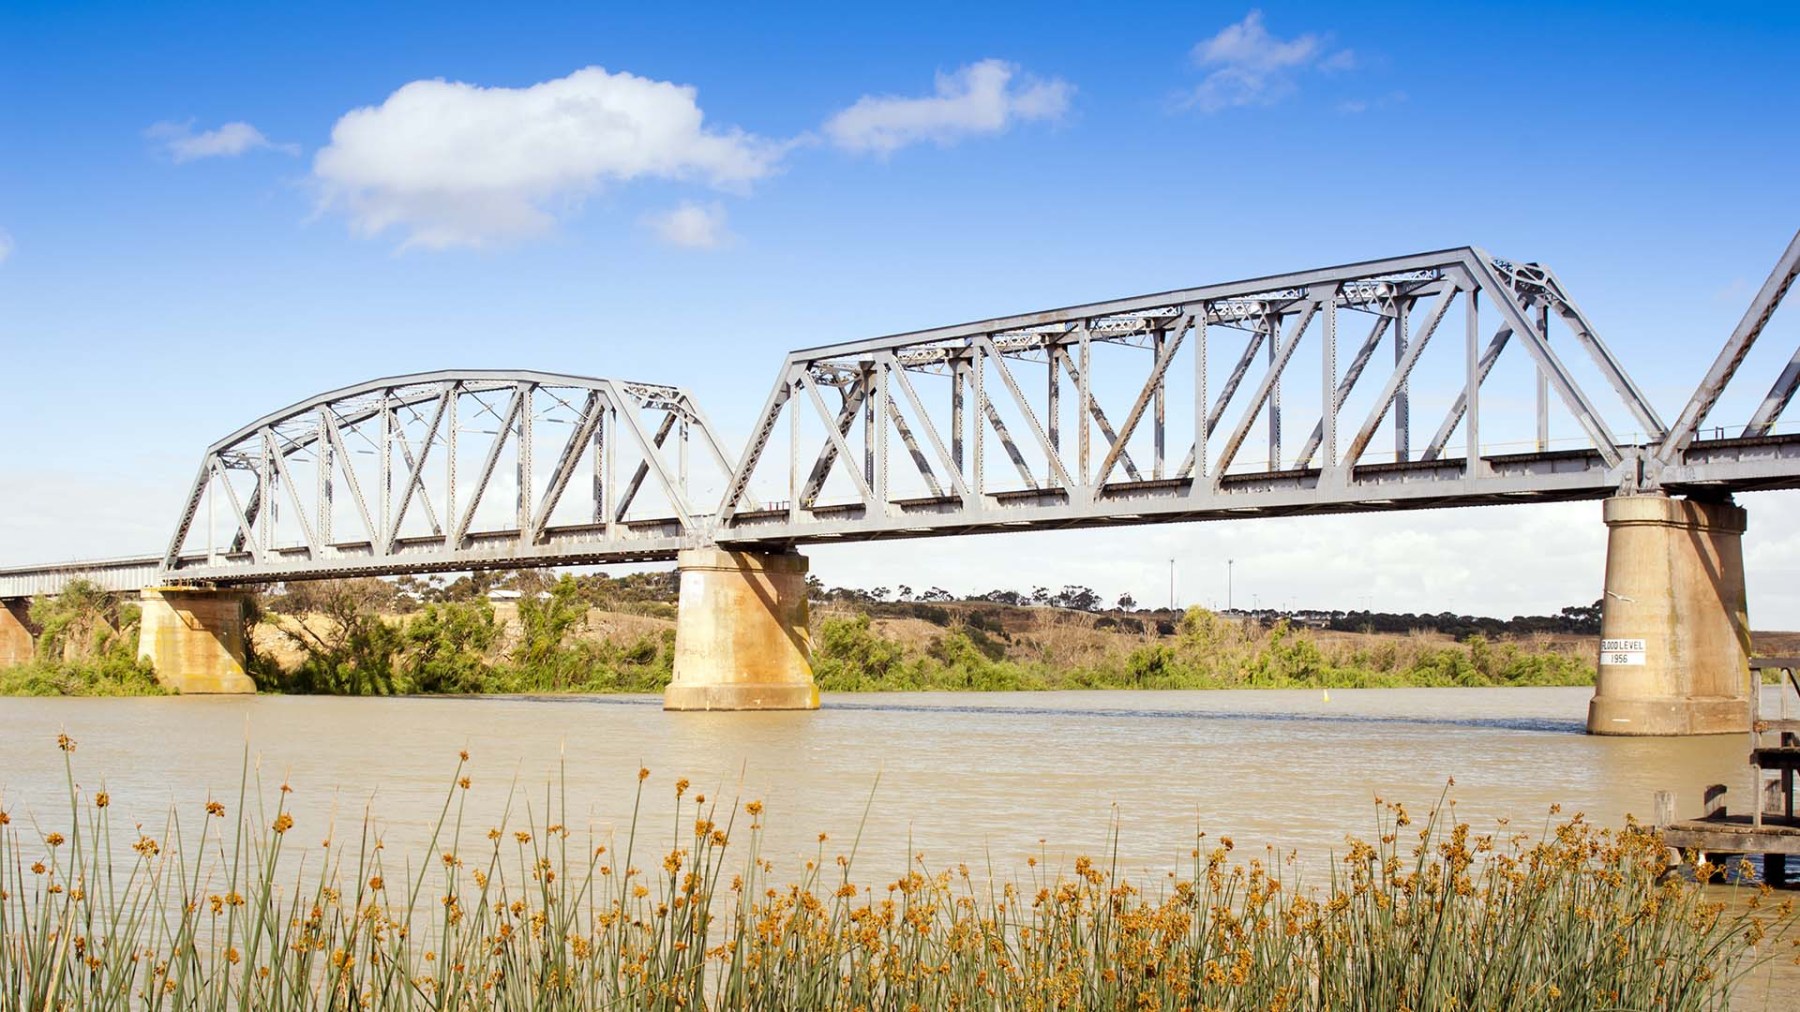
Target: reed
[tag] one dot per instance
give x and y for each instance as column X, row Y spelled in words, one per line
column 222, row 909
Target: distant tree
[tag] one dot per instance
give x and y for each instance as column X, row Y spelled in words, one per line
column 935, row 595
column 1127, row 602
column 905, row 593
column 1076, row 598
column 879, row 593
column 1040, row 595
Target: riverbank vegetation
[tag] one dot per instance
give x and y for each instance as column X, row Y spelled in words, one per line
column 216, row 909
column 533, row 632
column 593, row 634
column 86, row 645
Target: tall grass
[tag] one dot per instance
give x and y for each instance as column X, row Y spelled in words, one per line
column 221, row 909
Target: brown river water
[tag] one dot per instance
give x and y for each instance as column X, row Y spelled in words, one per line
column 974, row 778
column 965, row 777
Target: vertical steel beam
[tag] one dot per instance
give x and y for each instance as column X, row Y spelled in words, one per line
column 1402, row 400
column 322, row 452
column 450, row 450
column 878, row 424
column 610, row 484
column 1202, row 430
column 956, row 412
column 1328, row 382
column 598, row 506
column 527, row 410
column 1274, row 395
column 265, row 487
column 1085, row 395
column 1472, row 383
column 384, row 510
column 1160, row 420
column 866, row 382
column 1055, row 402
column 793, row 410
column 1543, row 388
column 978, row 477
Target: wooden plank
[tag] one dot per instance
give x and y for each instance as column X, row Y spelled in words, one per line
column 1714, row 842
column 1773, row 758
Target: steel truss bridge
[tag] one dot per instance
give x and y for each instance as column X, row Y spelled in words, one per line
column 1178, row 406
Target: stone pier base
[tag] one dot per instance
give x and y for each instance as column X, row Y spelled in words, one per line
column 741, row 638
column 1674, row 627
column 195, row 638
column 16, row 646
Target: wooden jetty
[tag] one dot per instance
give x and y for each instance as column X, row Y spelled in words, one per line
column 1771, row 828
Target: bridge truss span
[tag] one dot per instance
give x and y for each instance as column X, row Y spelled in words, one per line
column 450, row 470
column 1272, row 396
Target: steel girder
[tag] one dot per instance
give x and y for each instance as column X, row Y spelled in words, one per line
column 298, row 500
column 384, row 477
column 1119, row 470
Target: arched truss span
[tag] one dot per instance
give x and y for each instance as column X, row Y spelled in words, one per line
column 448, row 470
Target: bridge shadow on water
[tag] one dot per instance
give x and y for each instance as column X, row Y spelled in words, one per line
column 1524, row 723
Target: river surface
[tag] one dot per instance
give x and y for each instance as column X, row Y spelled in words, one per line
column 961, row 777
column 972, row 778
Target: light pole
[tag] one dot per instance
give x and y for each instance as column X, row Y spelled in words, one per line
column 1228, row 564
column 1171, row 584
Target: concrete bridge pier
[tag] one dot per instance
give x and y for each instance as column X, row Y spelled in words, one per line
column 195, row 638
column 1674, row 627
column 742, row 639
column 16, row 643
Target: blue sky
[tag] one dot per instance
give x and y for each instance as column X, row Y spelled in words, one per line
column 167, row 275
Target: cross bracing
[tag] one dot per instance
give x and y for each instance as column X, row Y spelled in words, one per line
column 1439, row 379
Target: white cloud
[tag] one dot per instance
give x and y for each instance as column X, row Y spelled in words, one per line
column 691, row 226
column 453, row 164
column 6, row 245
column 1358, row 106
column 982, row 98
column 182, row 144
column 1251, row 67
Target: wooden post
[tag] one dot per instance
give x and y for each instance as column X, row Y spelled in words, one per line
column 1665, row 809
column 1715, row 802
column 1775, row 870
